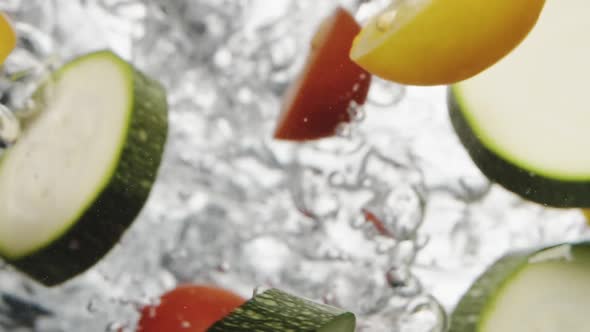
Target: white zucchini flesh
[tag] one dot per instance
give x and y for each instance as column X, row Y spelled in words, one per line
column 66, row 157
column 543, row 297
column 532, row 107
column 83, row 168
column 544, row 290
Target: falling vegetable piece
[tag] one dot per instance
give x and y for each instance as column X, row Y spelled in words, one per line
column 191, row 308
column 7, row 38
column 524, row 120
column 82, row 170
column 586, row 213
column 434, row 42
column 277, row 311
column 328, row 86
column 540, row 290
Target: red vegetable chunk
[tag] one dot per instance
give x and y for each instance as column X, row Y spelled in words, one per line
column 191, row 308
column 318, row 101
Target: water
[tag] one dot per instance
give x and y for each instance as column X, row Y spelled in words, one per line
column 389, row 219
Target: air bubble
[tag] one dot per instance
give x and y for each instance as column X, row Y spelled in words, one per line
column 223, row 267
column 115, row 327
column 412, row 288
column 358, row 222
column 398, row 277
column 223, row 58
column 356, row 112
column 93, row 306
column 336, row 179
column 426, row 314
column 384, row 245
column 385, row 94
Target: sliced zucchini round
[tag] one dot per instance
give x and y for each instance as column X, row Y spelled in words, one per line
column 524, row 120
column 543, row 290
column 277, row 311
column 82, row 169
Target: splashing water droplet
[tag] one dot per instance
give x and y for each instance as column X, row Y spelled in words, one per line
column 224, row 267
column 115, row 327
column 312, row 195
column 93, row 306
column 405, row 252
column 358, row 222
column 9, row 127
column 336, row 179
column 398, row 276
column 425, row 313
column 412, row 288
column 384, row 94
column 384, row 245
column 344, row 130
column 473, row 189
column 223, row 58
column 356, row 111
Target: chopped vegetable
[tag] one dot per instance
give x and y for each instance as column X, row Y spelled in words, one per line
column 542, row 290
column 433, row 42
column 7, row 38
column 277, row 311
column 523, row 121
column 329, row 85
column 82, row 169
column 188, row 308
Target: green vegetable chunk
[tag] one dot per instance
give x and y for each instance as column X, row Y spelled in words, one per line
column 524, row 121
column 83, row 168
column 542, row 290
column 277, row 311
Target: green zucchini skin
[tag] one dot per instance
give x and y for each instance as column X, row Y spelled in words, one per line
column 277, row 311
column 473, row 305
column 527, row 184
column 104, row 222
column 465, row 316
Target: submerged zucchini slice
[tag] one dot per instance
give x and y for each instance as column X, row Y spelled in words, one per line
column 277, row 311
column 83, row 168
column 525, row 120
column 544, row 290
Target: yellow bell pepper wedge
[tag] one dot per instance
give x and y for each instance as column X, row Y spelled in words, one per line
column 7, row 37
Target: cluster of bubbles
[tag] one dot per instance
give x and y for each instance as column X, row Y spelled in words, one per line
column 388, row 219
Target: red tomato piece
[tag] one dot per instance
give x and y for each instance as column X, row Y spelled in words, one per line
column 317, row 102
column 191, row 308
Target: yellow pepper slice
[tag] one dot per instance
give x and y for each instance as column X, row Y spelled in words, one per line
column 432, row 42
column 7, row 37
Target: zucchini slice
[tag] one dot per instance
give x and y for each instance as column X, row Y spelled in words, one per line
column 542, row 290
column 277, row 311
column 524, row 120
column 82, row 169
